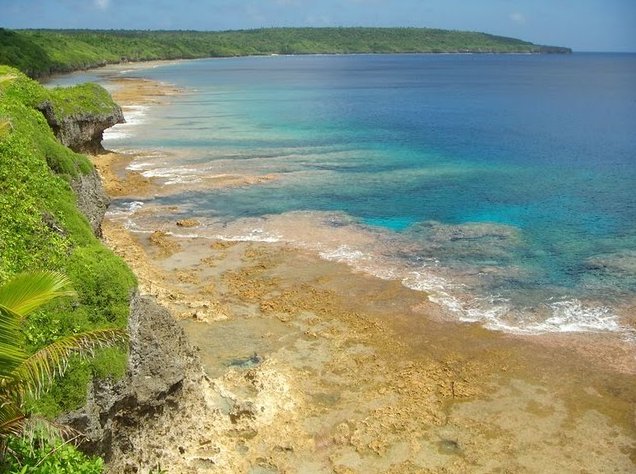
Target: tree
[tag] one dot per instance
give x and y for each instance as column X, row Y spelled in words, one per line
column 23, row 374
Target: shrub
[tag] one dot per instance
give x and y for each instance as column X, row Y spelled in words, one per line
column 49, row 457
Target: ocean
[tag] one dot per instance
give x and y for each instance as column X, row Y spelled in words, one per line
column 502, row 186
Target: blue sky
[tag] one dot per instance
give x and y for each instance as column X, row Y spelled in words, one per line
column 584, row 25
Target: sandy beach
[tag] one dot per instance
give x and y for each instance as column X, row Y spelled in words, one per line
column 312, row 367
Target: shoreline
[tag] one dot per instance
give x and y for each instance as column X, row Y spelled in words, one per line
column 331, row 370
column 144, row 64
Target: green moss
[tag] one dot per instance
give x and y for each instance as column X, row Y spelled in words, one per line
column 65, row 395
column 69, row 392
column 27, row 190
column 102, row 282
column 109, row 363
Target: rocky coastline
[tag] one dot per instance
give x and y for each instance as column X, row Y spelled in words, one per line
column 162, row 364
column 306, row 366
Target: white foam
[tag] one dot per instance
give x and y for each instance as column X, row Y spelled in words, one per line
column 421, row 281
column 566, row 317
column 183, row 236
column 360, row 261
column 111, row 134
column 126, row 210
column 573, row 316
column 342, row 254
column 495, row 314
column 362, row 253
column 139, row 165
column 437, row 288
column 174, row 175
column 134, row 115
column 255, row 235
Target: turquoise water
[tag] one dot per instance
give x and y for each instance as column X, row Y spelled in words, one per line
column 503, row 184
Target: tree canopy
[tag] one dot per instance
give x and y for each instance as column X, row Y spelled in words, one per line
column 44, row 52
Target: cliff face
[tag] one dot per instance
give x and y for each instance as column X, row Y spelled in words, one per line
column 160, row 357
column 81, row 132
column 92, row 200
column 78, row 117
column 84, row 134
column 160, row 360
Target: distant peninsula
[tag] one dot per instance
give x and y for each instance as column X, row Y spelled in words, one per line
column 40, row 53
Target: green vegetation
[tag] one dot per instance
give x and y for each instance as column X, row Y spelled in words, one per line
column 49, row 457
column 44, row 52
column 25, row 375
column 81, row 99
column 41, row 229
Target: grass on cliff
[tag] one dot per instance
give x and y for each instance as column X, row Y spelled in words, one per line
column 19, row 98
column 44, row 52
column 41, row 228
column 79, row 100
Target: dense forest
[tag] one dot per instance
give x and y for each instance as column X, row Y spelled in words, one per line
column 44, row 52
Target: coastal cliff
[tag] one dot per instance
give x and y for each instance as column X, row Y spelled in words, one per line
column 52, row 204
column 92, row 200
column 160, row 362
column 160, row 359
column 79, row 115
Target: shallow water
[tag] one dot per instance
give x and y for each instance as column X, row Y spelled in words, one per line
column 502, row 185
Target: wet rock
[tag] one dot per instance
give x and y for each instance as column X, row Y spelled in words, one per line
column 618, row 263
column 188, row 223
column 246, row 362
column 164, row 243
column 448, row 446
column 245, row 410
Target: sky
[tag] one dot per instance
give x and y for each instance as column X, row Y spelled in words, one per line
column 583, row 25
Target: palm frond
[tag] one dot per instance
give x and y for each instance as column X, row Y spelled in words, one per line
column 11, row 352
column 22, row 374
column 12, row 420
column 26, row 292
column 11, row 356
column 9, row 325
column 38, row 370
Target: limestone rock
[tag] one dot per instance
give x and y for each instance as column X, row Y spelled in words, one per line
column 81, row 132
column 159, row 360
column 92, row 200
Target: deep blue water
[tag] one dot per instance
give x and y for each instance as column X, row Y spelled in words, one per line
column 516, row 172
